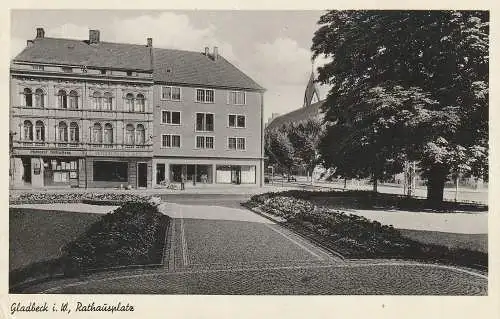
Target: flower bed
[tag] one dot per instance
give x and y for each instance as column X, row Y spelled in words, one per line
column 368, row 200
column 132, row 235
column 88, row 198
column 355, row 236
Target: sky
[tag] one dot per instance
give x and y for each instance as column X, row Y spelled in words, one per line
column 272, row 47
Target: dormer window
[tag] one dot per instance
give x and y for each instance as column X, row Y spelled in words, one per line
column 129, row 73
column 67, row 69
column 103, row 72
column 38, row 67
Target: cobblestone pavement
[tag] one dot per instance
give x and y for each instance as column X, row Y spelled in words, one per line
column 234, row 251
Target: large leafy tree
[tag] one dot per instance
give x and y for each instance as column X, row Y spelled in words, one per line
column 406, row 85
column 305, row 136
column 279, row 149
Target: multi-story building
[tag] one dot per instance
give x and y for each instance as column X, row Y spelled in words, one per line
column 208, row 120
column 99, row 114
column 81, row 113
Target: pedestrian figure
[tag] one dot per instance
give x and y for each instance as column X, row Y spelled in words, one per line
column 183, row 180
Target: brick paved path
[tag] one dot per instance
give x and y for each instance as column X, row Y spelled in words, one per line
column 222, row 250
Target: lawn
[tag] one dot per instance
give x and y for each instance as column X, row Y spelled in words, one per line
column 38, row 235
column 475, row 242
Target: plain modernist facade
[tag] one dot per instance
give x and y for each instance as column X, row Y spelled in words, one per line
column 99, row 114
column 208, row 120
column 81, row 113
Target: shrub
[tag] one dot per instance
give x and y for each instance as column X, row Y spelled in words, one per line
column 132, row 234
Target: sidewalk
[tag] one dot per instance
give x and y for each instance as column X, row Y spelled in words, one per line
column 199, row 189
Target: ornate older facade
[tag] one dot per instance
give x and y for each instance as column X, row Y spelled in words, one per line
column 81, row 120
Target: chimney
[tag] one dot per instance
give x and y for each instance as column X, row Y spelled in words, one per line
column 93, row 36
column 40, row 33
column 151, row 53
column 207, row 51
column 216, row 53
column 29, row 43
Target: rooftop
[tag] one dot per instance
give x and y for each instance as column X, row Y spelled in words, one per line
column 170, row 66
column 298, row 115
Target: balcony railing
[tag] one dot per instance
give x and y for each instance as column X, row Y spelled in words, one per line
column 81, row 145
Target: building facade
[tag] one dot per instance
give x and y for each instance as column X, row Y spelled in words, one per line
column 208, row 121
column 81, row 114
column 98, row 114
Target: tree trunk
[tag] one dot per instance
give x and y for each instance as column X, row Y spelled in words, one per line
column 345, row 183
column 435, row 185
column 375, row 184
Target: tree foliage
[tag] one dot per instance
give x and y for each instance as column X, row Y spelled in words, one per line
column 406, row 85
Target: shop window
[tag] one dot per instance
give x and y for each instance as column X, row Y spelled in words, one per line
column 109, row 171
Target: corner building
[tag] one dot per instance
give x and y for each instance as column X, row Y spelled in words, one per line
column 208, row 120
column 81, row 113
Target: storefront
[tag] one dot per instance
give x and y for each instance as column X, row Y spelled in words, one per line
column 235, row 174
column 199, row 173
column 119, row 172
column 59, row 171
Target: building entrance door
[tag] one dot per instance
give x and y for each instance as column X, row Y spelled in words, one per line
column 160, row 173
column 236, row 174
column 142, row 174
column 27, row 170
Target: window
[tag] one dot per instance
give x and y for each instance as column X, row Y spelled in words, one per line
column 39, row 98
column 103, row 71
column 63, row 132
column 129, row 73
column 130, row 102
column 205, row 142
column 39, row 131
column 74, row 132
column 205, row 95
column 237, row 98
column 108, row 133
column 141, row 106
column 110, row 171
column 67, row 69
column 237, row 121
column 38, row 67
column 204, row 122
column 28, row 97
column 172, row 93
column 28, row 131
column 97, row 100
column 140, row 134
column 73, row 100
column 63, row 99
column 129, row 134
column 171, row 117
column 97, row 133
column 236, row 143
column 168, row 140
column 108, row 101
